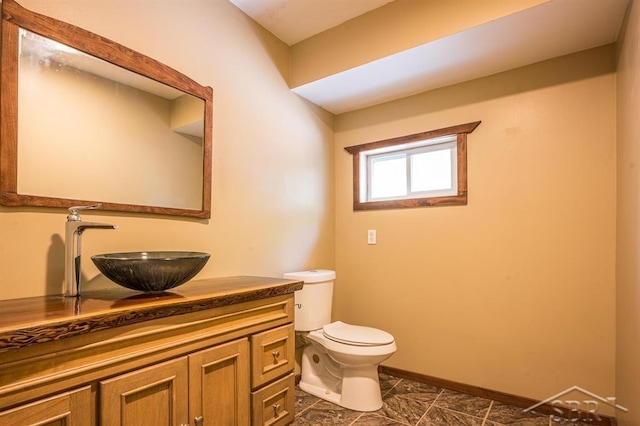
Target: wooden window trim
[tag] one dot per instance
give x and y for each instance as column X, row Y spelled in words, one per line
column 461, row 131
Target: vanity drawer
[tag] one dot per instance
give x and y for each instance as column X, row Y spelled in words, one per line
column 272, row 354
column 274, row 405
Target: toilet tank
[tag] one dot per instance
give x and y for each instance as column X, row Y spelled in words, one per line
column 313, row 302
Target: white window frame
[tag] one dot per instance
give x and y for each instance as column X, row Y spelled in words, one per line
column 407, row 151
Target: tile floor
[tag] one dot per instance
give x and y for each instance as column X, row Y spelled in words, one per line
column 406, row 402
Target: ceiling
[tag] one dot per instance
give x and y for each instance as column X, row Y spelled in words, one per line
column 295, row 20
column 551, row 29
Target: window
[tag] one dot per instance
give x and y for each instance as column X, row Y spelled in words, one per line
column 424, row 169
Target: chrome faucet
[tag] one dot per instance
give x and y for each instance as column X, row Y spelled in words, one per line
column 73, row 247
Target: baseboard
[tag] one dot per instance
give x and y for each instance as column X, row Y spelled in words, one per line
column 518, row 401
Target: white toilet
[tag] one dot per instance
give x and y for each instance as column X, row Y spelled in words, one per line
column 340, row 361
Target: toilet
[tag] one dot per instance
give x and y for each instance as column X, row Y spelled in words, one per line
column 340, row 361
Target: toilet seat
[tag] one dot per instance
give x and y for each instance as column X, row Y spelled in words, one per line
column 356, row 335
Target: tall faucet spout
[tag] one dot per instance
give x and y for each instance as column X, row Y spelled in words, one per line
column 93, row 225
column 74, row 228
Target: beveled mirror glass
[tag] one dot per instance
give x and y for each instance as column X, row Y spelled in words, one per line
column 86, row 120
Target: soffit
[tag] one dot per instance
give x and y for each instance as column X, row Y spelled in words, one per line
column 551, row 29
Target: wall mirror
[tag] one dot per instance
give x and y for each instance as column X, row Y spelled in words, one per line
column 86, row 120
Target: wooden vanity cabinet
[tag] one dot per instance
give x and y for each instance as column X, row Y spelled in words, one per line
column 219, row 365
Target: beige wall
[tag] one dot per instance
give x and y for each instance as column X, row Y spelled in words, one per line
column 515, row 291
column 628, row 224
column 272, row 198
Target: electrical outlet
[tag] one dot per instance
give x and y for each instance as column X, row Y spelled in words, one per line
column 371, row 236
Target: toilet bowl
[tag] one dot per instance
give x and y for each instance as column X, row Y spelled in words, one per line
column 340, row 361
column 345, row 373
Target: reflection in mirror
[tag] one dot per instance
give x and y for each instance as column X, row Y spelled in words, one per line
column 113, row 134
column 98, row 122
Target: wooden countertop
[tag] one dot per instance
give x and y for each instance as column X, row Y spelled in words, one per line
column 28, row 321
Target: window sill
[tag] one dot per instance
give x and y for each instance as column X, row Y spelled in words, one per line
column 450, row 200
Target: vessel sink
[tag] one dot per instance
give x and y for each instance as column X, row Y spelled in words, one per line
column 151, row 271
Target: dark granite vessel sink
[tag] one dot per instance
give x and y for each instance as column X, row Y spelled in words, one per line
column 151, row 271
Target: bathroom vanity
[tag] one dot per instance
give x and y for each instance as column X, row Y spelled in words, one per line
column 212, row 352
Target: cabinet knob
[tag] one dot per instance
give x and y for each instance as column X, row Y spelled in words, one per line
column 276, row 355
column 276, row 410
column 199, row 421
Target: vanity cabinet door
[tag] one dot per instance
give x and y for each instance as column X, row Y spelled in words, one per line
column 219, row 391
column 152, row 396
column 67, row 409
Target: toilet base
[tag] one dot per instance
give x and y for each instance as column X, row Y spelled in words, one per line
column 320, row 392
column 349, row 387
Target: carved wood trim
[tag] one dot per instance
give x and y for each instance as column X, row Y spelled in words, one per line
column 133, row 311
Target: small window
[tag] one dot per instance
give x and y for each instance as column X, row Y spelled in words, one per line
column 427, row 170
column 424, row 169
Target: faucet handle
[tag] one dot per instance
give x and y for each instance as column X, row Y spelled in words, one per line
column 74, row 216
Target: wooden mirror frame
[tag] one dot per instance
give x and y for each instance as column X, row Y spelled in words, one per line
column 14, row 17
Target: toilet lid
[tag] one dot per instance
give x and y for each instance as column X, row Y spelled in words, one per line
column 356, row 335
